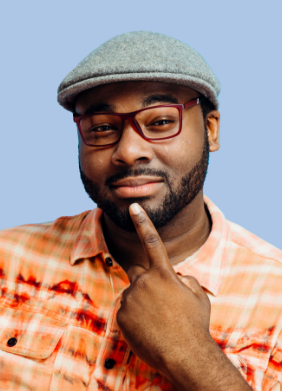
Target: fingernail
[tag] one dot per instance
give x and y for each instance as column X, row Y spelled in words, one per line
column 135, row 209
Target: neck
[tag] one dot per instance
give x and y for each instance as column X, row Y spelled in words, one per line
column 184, row 235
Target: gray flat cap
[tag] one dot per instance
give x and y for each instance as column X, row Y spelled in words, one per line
column 140, row 55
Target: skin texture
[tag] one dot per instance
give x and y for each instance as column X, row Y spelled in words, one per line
column 173, row 202
column 185, row 234
column 181, row 350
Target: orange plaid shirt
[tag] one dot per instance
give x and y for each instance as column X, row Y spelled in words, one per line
column 60, row 295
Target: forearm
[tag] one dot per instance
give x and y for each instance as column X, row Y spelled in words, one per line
column 204, row 367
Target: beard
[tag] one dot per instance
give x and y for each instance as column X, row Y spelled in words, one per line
column 174, row 201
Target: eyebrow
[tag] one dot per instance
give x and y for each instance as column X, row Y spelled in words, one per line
column 99, row 108
column 149, row 100
column 159, row 98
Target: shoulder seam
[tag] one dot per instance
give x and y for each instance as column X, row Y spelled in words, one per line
column 46, row 224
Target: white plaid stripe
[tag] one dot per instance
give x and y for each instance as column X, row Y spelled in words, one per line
column 60, row 301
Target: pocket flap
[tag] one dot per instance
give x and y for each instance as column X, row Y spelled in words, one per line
column 29, row 334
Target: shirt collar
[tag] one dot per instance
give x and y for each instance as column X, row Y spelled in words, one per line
column 206, row 266
column 90, row 239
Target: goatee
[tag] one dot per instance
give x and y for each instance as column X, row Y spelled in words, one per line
column 174, row 201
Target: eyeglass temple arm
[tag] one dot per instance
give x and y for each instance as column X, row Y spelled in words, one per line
column 193, row 102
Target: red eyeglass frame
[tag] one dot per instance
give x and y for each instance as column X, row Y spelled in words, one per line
column 131, row 116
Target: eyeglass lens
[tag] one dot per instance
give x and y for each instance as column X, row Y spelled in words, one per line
column 155, row 123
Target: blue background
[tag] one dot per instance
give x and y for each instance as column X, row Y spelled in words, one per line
column 42, row 41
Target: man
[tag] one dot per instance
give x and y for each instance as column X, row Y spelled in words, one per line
column 154, row 290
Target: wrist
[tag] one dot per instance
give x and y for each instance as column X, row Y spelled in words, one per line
column 201, row 365
column 185, row 356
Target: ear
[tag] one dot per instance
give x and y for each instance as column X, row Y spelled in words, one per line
column 212, row 124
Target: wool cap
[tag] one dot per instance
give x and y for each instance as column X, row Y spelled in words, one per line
column 140, row 55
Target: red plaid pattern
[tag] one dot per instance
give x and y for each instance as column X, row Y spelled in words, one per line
column 58, row 300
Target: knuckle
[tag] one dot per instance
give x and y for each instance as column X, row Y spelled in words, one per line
column 131, row 274
column 193, row 282
column 141, row 282
column 151, row 240
column 192, row 279
column 140, row 220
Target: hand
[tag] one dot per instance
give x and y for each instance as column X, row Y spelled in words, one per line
column 161, row 315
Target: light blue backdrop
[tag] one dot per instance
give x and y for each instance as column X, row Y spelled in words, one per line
column 42, row 41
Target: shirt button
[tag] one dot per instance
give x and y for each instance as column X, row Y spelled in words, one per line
column 12, row 342
column 109, row 262
column 109, row 363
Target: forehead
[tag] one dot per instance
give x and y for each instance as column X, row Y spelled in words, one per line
column 131, row 94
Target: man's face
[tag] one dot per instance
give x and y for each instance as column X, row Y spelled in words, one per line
column 162, row 176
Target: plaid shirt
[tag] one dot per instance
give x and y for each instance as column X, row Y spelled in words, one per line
column 60, row 296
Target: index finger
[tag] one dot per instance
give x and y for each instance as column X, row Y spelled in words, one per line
column 149, row 237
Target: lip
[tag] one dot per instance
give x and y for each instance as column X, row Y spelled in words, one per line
column 137, row 186
column 136, row 181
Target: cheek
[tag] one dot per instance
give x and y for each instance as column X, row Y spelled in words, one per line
column 94, row 164
column 192, row 138
column 182, row 155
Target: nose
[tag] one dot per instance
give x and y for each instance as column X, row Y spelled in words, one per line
column 132, row 148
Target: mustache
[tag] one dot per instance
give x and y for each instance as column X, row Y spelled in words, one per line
column 136, row 172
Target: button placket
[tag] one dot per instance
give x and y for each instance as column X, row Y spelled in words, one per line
column 115, row 351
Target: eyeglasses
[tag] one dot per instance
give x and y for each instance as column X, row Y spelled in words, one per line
column 153, row 124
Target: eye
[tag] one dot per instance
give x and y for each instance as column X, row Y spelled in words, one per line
column 162, row 122
column 103, row 128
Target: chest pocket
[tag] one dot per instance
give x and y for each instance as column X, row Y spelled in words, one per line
column 29, row 334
